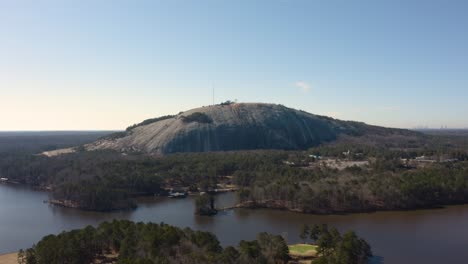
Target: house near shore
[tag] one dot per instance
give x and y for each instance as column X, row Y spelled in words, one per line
column 317, row 157
column 449, row 160
column 425, row 159
column 435, row 159
column 177, row 193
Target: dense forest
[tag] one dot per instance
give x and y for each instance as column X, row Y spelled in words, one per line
column 36, row 142
column 139, row 243
column 390, row 180
column 105, row 180
column 305, row 181
column 385, row 184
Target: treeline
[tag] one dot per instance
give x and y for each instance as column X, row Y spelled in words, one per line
column 139, row 243
column 36, row 142
column 194, row 117
column 336, row 248
column 396, row 147
column 129, row 129
column 150, row 121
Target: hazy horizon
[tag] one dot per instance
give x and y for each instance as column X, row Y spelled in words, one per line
column 420, row 127
column 105, row 65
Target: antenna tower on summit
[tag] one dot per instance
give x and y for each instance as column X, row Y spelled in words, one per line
column 213, row 95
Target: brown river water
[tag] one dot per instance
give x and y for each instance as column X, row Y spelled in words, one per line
column 423, row 236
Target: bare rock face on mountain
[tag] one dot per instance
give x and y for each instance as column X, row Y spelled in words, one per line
column 235, row 126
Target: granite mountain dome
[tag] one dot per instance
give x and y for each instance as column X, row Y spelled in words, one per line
column 234, row 126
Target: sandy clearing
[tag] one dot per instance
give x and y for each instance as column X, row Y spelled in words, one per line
column 11, row 258
column 58, row 152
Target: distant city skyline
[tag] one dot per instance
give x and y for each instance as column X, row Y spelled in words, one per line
column 104, row 65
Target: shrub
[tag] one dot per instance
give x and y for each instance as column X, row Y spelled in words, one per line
column 197, row 117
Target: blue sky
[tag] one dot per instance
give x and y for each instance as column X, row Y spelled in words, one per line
column 107, row 64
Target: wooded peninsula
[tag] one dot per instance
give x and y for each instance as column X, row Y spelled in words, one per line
column 126, row 242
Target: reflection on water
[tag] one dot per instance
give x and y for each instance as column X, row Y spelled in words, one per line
column 425, row 236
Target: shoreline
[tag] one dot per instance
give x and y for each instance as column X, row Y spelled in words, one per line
column 277, row 205
column 273, row 205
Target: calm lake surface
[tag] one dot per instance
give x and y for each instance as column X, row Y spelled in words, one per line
column 426, row 236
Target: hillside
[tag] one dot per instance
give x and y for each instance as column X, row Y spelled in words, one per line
column 237, row 126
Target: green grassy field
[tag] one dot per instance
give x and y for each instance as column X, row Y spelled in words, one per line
column 303, row 250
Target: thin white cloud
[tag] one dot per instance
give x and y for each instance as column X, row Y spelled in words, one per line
column 305, row 87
